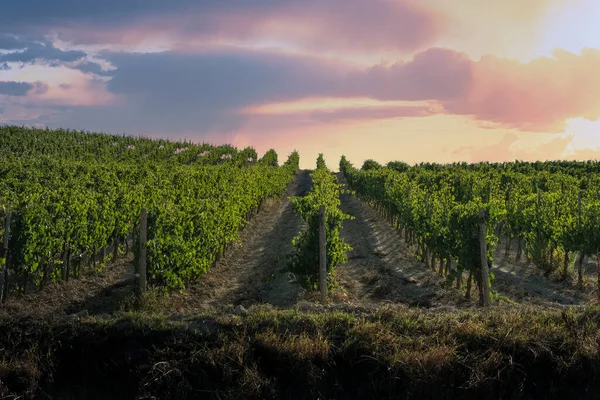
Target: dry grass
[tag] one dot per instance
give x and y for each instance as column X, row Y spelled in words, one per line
column 331, row 352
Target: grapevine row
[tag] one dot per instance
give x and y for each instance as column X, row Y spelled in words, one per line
column 68, row 205
column 551, row 210
column 325, row 192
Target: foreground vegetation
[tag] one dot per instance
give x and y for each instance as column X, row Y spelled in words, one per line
column 307, row 352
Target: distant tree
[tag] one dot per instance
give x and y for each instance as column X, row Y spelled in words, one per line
column 321, row 161
column 270, row 158
column 370, row 164
column 399, row 166
column 247, row 155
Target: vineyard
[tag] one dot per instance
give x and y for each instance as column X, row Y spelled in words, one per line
column 74, row 195
column 551, row 210
column 184, row 270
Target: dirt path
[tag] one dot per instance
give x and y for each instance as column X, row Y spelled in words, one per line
column 95, row 292
column 255, row 270
column 380, row 267
column 523, row 282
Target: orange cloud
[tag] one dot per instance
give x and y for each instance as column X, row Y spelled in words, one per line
column 508, row 28
column 508, row 149
column 319, row 110
column 538, row 96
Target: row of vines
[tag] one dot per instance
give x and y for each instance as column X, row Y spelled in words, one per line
column 551, row 210
column 80, row 193
column 325, row 193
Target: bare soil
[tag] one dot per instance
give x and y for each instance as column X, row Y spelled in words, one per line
column 524, row 282
column 381, row 267
column 97, row 292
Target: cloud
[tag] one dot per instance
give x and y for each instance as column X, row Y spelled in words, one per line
column 28, row 49
column 497, row 152
column 433, row 74
column 12, row 42
column 205, row 91
column 508, row 149
column 352, row 25
column 538, row 96
column 368, row 113
column 89, row 67
column 44, row 52
column 182, row 91
column 21, row 88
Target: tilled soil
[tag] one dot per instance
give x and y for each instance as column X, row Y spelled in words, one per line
column 524, row 282
column 96, row 292
column 381, row 268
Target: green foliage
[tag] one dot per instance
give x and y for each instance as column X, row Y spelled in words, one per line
column 398, row 166
column 270, row 158
column 83, row 191
column 370, row 164
column 305, row 261
column 554, row 206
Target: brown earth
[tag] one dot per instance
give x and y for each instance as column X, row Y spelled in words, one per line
column 97, row 292
column 381, row 268
column 523, row 282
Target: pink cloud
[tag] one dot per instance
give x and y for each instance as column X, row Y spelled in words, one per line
column 539, row 96
column 433, row 74
column 346, row 25
column 494, row 153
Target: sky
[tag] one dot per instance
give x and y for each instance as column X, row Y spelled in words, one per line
column 417, row 81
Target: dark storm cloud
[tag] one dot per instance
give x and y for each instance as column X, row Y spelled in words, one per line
column 15, row 88
column 89, row 67
column 219, row 80
column 45, row 52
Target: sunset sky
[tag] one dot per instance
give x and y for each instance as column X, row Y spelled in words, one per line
column 427, row 80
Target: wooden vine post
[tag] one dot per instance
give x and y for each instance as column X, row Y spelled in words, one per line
column 141, row 275
column 66, row 262
column 484, row 289
column 322, row 255
column 580, row 264
column 4, row 272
